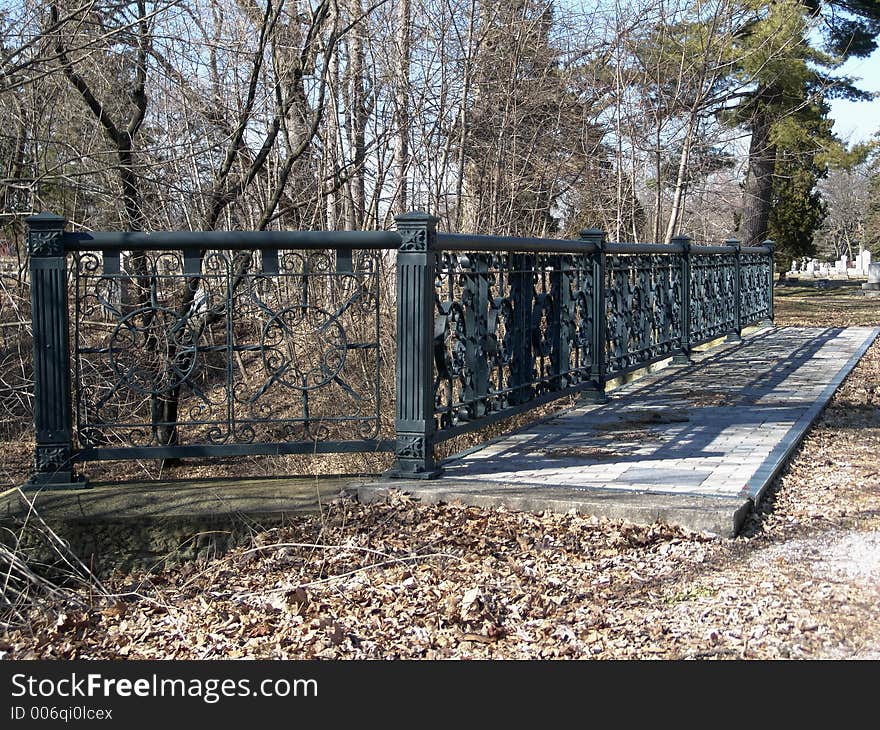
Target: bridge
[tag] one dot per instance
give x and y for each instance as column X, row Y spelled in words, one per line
column 215, row 344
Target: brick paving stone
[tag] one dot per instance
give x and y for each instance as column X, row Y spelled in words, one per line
column 695, row 445
column 722, row 425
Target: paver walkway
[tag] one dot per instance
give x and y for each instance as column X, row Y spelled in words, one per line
column 695, row 445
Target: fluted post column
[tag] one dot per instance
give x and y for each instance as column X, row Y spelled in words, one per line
column 53, row 422
column 414, row 414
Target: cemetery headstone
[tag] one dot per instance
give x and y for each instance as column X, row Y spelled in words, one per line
column 873, row 284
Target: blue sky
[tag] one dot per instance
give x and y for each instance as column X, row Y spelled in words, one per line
column 859, row 121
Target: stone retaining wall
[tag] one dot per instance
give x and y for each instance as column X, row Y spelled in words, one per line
column 130, row 545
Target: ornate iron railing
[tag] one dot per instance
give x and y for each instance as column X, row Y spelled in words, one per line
column 643, row 291
column 491, row 326
column 756, row 286
column 227, row 343
column 237, row 355
column 509, row 328
column 204, row 344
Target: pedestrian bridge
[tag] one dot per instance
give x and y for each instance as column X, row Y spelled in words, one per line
column 217, row 344
column 171, row 345
column 695, row 444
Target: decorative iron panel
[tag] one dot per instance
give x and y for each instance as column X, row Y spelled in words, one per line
column 177, row 350
column 712, row 296
column 643, row 309
column 756, row 287
column 509, row 329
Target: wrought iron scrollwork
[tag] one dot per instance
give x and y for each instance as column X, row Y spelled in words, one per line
column 413, row 239
column 410, row 447
column 713, row 295
column 643, row 309
column 303, row 347
column 152, row 350
column 233, row 355
column 46, row 243
column 756, row 284
column 52, row 458
column 509, row 328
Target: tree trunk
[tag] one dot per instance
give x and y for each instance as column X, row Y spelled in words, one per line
column 759, row 181
column 332, row 145
column 680, row 184
column 464, row 120
column 401, row 115
column 357, row 119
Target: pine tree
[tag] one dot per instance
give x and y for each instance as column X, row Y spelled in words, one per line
column 793, row 76
column 797, row 209
column 804, row 144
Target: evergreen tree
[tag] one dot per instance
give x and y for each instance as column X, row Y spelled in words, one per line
column 792, row 76
column 797, row 208
column 803, row 143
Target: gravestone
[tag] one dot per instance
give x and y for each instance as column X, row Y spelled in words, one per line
column 864, row 261
column 872, row 287
column 810, row 268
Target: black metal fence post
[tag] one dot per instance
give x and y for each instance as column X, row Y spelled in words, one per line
column 598, row 368
column 53, row 422
column 414, row 415
column 770, row 245
column 684, row 356
column 736, row 336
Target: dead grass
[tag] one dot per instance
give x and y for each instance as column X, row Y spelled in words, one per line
column 841, row 306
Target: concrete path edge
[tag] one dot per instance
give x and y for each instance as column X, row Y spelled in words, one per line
column 757, row 486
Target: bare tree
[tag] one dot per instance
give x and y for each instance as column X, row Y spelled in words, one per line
column 846, row 193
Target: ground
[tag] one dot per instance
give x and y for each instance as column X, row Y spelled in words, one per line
column 403, row 580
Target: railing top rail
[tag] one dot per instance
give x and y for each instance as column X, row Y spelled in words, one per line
column 230, row 240
column 643, row 248
column 474, row 242
column 697, row 249
column 707, row 250
column 246, row 240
